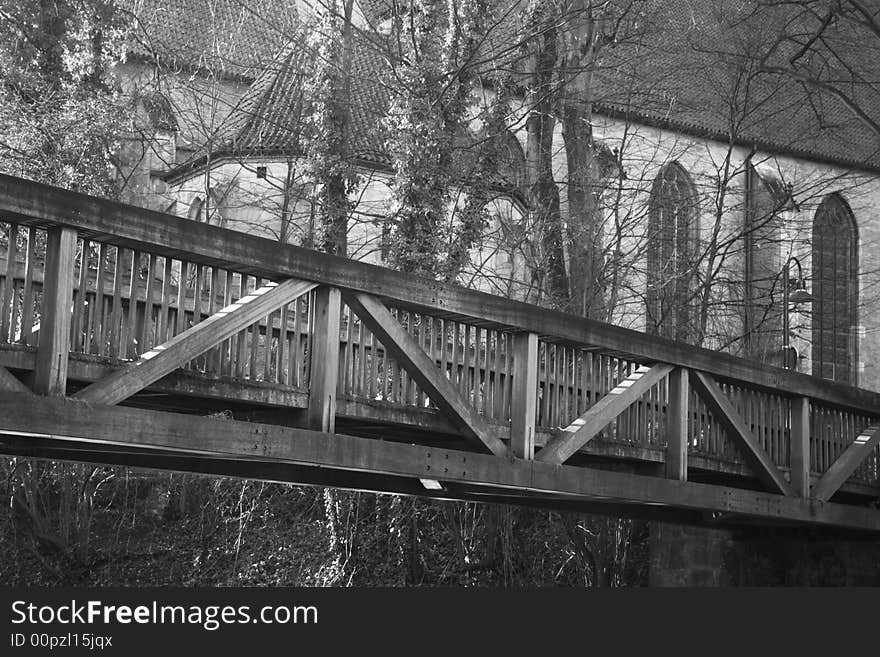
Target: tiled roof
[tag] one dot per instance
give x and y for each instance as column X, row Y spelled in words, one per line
column 693, row 81
column 235, row 37
column 681, row 77
column 267, row 120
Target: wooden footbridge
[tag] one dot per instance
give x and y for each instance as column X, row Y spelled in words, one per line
column 133, row 337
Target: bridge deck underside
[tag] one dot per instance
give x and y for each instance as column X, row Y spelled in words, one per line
column 74, row 430
column 194, row 393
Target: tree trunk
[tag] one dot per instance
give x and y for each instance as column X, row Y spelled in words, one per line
column 584, row 217
column 543, row 194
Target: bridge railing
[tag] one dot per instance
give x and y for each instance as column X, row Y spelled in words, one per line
column 126, row 301
column 139, row 278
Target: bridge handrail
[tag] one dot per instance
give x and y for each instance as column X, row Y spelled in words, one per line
column 34, row 204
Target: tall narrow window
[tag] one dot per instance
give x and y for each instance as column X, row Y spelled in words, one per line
column 672, row 243
column 835, row 268
column 766, row 197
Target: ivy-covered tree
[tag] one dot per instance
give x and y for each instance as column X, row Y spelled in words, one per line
column 61, row 112
column 61, row 119
column 431, row 85
column 328, row 118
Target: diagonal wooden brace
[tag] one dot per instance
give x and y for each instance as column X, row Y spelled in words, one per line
column 167, row 357
column 565, row 444
column 422, row 368
column 723, row 411
column 846, row 464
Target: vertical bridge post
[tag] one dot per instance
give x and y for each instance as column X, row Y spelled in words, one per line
column 524, row 395
column 50, row 371
column 677, row 425
column 800, row 446
column 324, row 359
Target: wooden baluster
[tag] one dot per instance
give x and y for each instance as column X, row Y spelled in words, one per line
column 241, row 358
column 30, row 265
column 524, row 394
column 618, row 373
column 497, row 390
column 201, row 279
column 488, row 363
column 429, row 349
column 255, row 341
column 636, row 416
column 115, row 332
column 354, row 351
column 799, row 446
column 478, row 366
column 383, row 382
column 405, row 398
column 77, row 327
column 198, row 363
column 560, row 386
column 50, row 369
column 415, row 326
column 321, row 413
column 823, row 443
column 409, row 325
column 630, row 435
column 135, row 315
column 622, row 429
column 303, row 338
column 508, row 380
column 374, row 365
column 470, row 364
column 8, row 305
column 102, row 305
column 17, row 285
column 362, row 360
column 293, row 338
column 487, row 344
column 348, row 353
column 456, row 351
column 182, row 285
column 585, row 382
column 227, row 346
column 571, row 384
column 282, row 373
column 543, row 367
column 149, row 326
column 549, row 415
column 212, row 358
column 233, row 293
column 444, row 350
column 716, row 442
column 268, row 360
column 558, row 357
column 497, row 396
column 398, row 372
column 164, row 320
column 780, row 408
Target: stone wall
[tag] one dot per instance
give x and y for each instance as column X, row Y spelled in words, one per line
column 692, row 556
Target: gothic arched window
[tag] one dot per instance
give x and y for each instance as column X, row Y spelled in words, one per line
column 835, row 267
column 672, row 244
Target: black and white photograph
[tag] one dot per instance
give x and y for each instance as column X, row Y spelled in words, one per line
column 347, row 295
